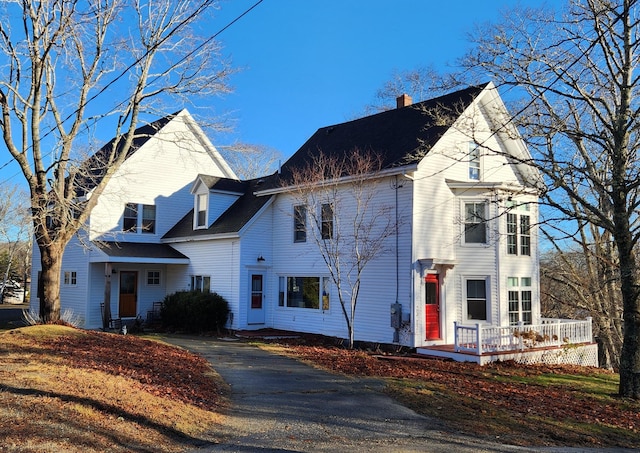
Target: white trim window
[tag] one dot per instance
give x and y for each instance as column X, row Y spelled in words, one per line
column 475, row 222
column 153, row 277
column 476, row 298
column 519, row 230
column 326, row 221
column 300, row 223
column 201, row 210
column 304, row 292
column 70, row 278
column 201, row 283
column 139, row 218
column 474, row 161
column 519, row 297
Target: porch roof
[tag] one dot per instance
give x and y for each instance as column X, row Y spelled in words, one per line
column 137, row 252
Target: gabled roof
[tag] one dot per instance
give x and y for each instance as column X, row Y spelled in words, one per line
column 219, row 184
column 94, row 167
column 232, row 220
column 401, row 136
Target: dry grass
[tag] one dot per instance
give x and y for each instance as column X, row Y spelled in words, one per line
column 535, row 405
column 63, row 389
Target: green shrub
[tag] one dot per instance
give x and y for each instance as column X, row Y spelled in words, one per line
column 194, row 311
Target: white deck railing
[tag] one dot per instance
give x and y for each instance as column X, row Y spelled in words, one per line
column 481, row 338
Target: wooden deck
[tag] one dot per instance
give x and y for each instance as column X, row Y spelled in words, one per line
column 585, row 354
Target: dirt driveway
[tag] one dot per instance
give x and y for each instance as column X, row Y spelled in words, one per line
column 282, row 405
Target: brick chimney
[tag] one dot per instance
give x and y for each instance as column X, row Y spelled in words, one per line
column 403, row 101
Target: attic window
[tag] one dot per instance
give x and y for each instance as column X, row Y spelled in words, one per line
column 474, row 161
column 201, row 210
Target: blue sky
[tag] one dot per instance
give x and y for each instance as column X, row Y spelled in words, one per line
column 307, row 64
column 311, row 63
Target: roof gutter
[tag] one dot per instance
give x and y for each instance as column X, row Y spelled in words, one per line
column 403, row 170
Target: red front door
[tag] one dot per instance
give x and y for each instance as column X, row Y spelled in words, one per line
column 432, row 307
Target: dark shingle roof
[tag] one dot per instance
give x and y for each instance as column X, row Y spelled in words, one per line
column 398, row 135
column 139, row 250
column 232, row 220
column 218, row 183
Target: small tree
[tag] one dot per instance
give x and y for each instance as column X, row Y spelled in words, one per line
column 348, row 223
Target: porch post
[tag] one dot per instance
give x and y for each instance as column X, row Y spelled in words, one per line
column 106, row 315
column 589, row 333
column 479, row 338
column 455, row 336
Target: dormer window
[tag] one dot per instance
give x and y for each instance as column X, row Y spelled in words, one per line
column 474, row 161
column 202, row 200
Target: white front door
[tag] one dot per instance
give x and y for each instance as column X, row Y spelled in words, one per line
column 256, row 300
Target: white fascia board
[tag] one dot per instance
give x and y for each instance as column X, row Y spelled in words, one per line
column 138, row 260
column 205, row 237
column 492, row 186
column 199, row 133
column 405, row 169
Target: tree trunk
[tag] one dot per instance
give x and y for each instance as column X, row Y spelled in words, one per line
column 630, row 354
column 51, row 262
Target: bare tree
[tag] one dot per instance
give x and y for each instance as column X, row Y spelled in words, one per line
column 580, row 280
column 59, row 58
column 15, row 233
column 346, row 222
column 251, row 161
column 421, row 83
column 579, row 114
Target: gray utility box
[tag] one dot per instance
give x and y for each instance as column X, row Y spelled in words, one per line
column 396, row 315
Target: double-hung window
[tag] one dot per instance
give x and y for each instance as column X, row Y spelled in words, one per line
column 201, row 210
column 519, row 298
column 519, row 230
column 148, row 218
column 299, row 223
column 326, row 224
column 475, row 223
column 130, row 218
column 70, row 278
column 474, row 161
column 139, row 218
column 476, row 293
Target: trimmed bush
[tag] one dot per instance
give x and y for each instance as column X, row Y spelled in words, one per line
column 194, row 311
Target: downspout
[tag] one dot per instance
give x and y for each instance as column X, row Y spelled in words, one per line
column 396, row 333
column 499, row 284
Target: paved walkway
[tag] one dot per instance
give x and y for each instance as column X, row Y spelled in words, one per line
column 282, row 405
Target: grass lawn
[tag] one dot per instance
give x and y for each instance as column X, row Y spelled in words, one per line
column 63, row 389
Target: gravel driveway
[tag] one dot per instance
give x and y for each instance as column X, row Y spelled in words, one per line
column 282, row 405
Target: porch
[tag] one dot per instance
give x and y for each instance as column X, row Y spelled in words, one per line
column 554, row 341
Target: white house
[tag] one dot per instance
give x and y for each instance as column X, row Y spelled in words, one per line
column 458, row 278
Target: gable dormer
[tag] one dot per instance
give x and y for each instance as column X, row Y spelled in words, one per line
column 212, row 196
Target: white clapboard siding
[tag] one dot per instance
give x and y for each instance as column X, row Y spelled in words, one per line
column 160, row 173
